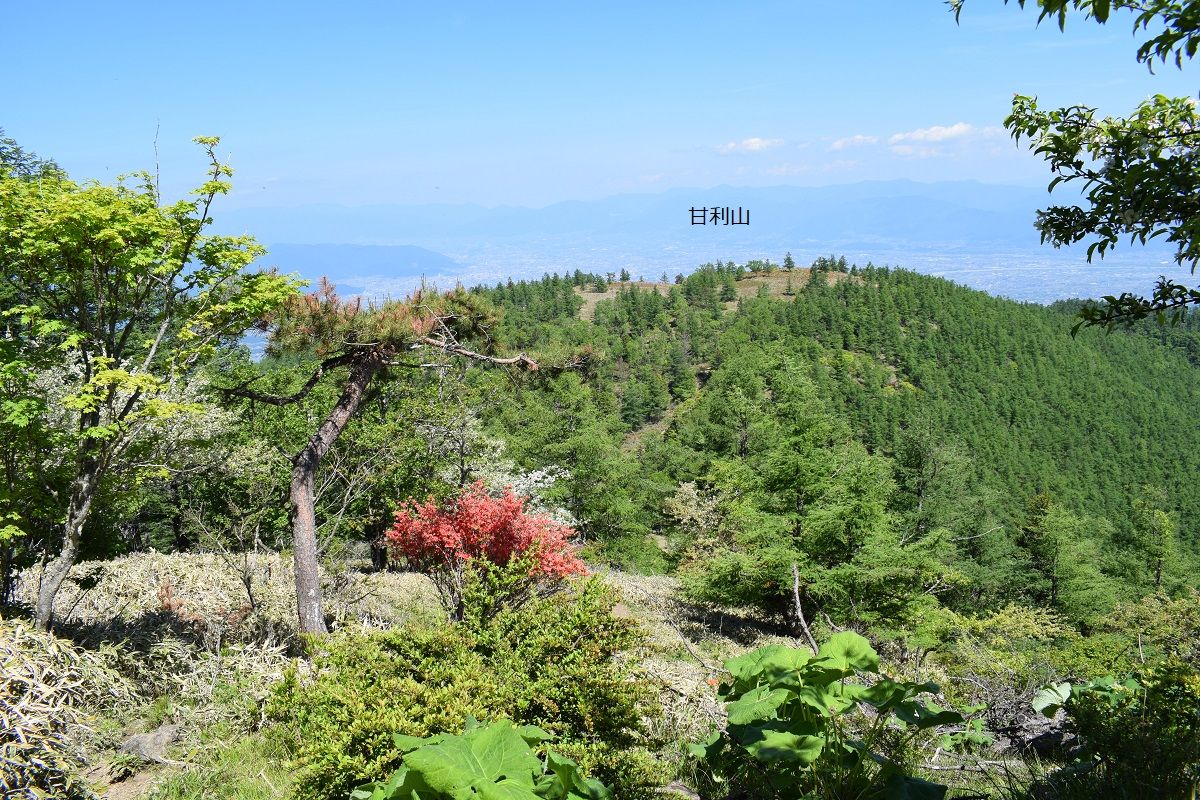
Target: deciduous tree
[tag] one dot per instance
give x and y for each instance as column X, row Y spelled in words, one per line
column 125, row 296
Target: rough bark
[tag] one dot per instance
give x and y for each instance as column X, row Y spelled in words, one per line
column 83, row 490
column 309, row 603
column 304, row 551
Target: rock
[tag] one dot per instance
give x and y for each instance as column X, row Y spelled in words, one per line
column 1047, row 738
column 678, row 789
column 152, row 746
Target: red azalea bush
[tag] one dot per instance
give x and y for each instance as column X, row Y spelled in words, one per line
column 443, row 540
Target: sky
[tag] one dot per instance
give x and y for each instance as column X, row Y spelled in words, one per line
column 528, row 104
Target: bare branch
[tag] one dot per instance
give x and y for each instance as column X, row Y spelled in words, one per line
column 800, row 610
column 521, row 360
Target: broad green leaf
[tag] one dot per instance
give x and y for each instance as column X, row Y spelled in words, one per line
column 403, row 785
column 786, row 746
column 924, row 717
column 406, row 743
column 566, row 782
column 883, row 695
column 829, row 699
column 710, row 748
column 482, row 759
column 756, row 705
column 772, row 664
column 533, row 735
column 902, row 787
column 1051, row 698
column 849, row 651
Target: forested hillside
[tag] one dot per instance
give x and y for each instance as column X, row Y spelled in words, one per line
column 755, row 531
column 976, row 414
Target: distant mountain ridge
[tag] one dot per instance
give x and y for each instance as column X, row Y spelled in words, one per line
column 903, row 211
column 975, row 233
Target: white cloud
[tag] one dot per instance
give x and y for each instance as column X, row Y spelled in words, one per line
column 961, row 138
column 856, row 140
column 937, row 133
column 754, row 144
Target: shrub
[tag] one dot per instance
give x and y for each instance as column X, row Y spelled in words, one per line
column 1141, row 737
column 795, row 728
column 557, row 663
column 442, row 540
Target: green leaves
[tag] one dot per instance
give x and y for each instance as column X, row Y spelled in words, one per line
column 1051, row 698
column 848, row 651
column 772, row 664
column 785, row 714
column 756, row 705
column 490, row 762
column 784, row 746
column 483, row 760
column 1138, row 173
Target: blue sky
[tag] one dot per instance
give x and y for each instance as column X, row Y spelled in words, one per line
column 534, row 103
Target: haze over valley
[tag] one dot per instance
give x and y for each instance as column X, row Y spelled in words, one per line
column 981, row 235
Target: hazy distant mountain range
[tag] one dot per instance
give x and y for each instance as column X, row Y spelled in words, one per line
column 974, row 233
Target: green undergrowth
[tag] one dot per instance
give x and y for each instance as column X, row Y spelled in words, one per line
column 230, row 765
column 563, row 663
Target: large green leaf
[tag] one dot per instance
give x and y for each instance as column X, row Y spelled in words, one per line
column 757, row 705
column 710, row 749
column 925, row 717
column 774, row 664
column 902, row 787
column 406, row 743
column 533, row 735
column 849, row 651
column 403, row 785
column 829, row 699
column 1051, row 698
column 493, row 761
column 779, row 745
column 566, row 783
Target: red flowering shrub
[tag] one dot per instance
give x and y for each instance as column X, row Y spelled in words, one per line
column 442, row 540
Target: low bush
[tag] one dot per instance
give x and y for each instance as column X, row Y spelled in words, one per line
column 803, row 725
column 446, row 541
column 1140, row 737
column 557, row 662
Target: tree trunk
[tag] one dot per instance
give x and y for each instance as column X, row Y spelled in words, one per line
column 181, row 540
column 83, row 490
column 304, row 550
column 303, row 512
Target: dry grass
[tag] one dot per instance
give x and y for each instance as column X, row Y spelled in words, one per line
column 200, row 650
column 47, row 688
column 776, row 283
column 686, row 647
column 199, row 659
column 219, row 599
